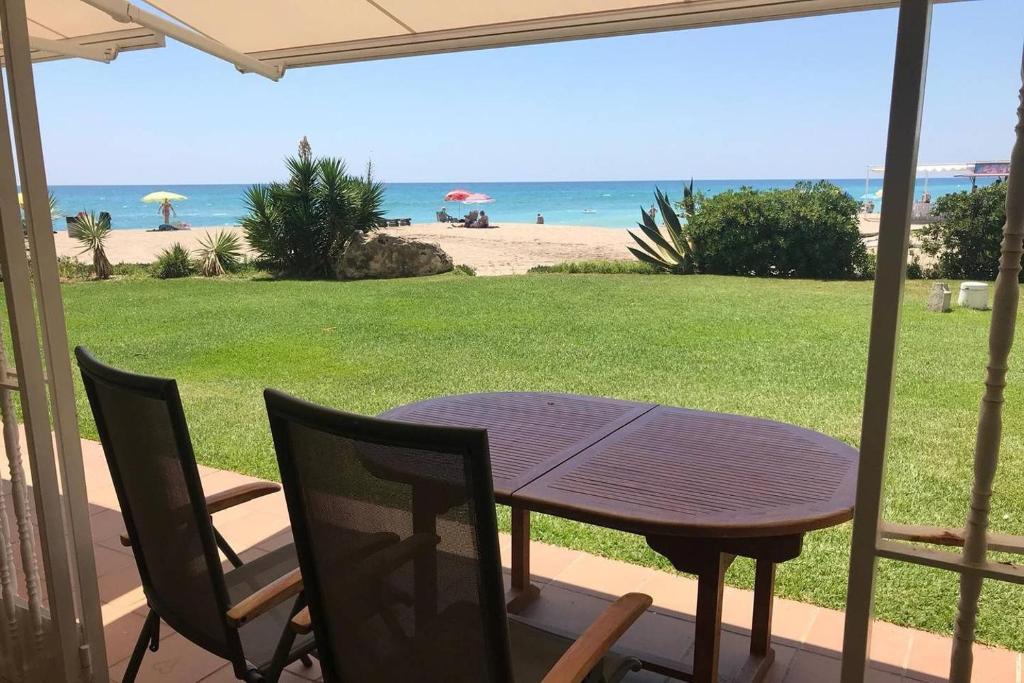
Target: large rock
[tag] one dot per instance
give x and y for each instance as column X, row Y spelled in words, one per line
column 384, row 256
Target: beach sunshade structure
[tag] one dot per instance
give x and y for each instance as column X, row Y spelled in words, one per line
column 374, row 616
column 457, row 195
column 169, row 528
column 478, row 198
column 161, row 196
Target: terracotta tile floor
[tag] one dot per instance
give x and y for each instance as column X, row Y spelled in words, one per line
column 575, row 588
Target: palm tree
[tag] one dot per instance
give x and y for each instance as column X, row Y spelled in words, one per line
column 91, row 232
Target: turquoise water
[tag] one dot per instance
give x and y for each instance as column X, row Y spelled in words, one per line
column 612, row 204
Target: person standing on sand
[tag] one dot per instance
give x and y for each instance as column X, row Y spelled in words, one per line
column 166, row 210
column 652, row 212
column 540, row 219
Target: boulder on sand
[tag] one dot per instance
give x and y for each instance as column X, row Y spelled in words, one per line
column 386, row 256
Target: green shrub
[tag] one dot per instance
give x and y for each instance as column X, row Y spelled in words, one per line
column 809, row 231
column 70, row 268
column 173, row 262
column 599, row 267
column 298, row 227
column 219, row 253
column 965, row 237
column 465, row 269
column 133, row 271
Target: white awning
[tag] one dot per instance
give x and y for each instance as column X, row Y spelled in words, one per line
column 70, row 28
column 933, row 168
column 311, row 32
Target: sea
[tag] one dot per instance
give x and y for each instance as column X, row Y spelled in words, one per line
column 609, row 204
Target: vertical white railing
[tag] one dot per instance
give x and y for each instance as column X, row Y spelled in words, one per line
column 990, row 418
column 873, row 538
column 893, row 242
column 61, row 640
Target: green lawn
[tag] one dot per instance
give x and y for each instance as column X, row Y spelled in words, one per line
column 788, row 350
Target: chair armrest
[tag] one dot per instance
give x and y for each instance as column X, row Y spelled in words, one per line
column 375, row 567
column 266, row 598
column 589, row 648
column 215, row 502
column 301, row 623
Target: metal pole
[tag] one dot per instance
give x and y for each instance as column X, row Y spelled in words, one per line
column 990, row 417
column 893, row 242
column 129, row 13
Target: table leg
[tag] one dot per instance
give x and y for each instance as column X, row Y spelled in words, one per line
column 764, row 596
column 708, row 632
column 424, row 521
column 522, row 592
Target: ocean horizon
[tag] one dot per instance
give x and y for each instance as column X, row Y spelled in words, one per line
column 607, row 204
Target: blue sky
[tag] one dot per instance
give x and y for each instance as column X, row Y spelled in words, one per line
column 802, row 98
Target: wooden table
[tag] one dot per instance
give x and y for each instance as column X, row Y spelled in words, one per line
column 702, row 488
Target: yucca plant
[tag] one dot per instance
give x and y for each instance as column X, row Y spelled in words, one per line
column 674, row 253
column 92, row 232
column 175, row 261
column 219, row 253
column 298, row 227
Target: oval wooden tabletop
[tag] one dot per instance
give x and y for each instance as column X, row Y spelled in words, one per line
column 653, row 469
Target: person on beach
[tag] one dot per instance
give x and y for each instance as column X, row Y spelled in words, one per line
column 166, row 210
column 482, row 222
column 540, row 219
column 652, row 212
column 926, row 197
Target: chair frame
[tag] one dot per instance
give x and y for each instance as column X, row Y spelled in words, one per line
column 576, row 663
column 166, row 391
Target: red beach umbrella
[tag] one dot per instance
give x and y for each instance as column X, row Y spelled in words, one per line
column 457, row 195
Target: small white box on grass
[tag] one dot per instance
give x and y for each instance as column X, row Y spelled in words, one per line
column 974, row 295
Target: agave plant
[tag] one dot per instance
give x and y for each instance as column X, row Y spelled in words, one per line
column 674, row 253
column 92, row 232
column 219, row 253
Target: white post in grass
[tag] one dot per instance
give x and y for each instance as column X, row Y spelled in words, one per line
column 893, row 242
column 990, row 417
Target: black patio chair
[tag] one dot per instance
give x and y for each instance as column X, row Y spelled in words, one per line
column 431, row 607
column 242, row 614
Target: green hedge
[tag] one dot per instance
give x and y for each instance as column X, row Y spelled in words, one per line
column 966, row 235
column 809, row 231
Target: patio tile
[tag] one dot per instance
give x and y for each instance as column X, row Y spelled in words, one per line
column 123, row 581
column 249, row 530
column 226, row 674
column 304, row 673
column 930, row 653
column 546, row 561
column 605, row 577
column 176, row 660
column 108, row 560
column 673, row 594
column 811, row 667
column 120, row 635
column 792, row 621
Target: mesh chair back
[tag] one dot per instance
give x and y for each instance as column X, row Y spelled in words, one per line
column 429, row 605
column 145, row 439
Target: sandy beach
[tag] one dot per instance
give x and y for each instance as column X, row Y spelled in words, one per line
column 509, row 249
